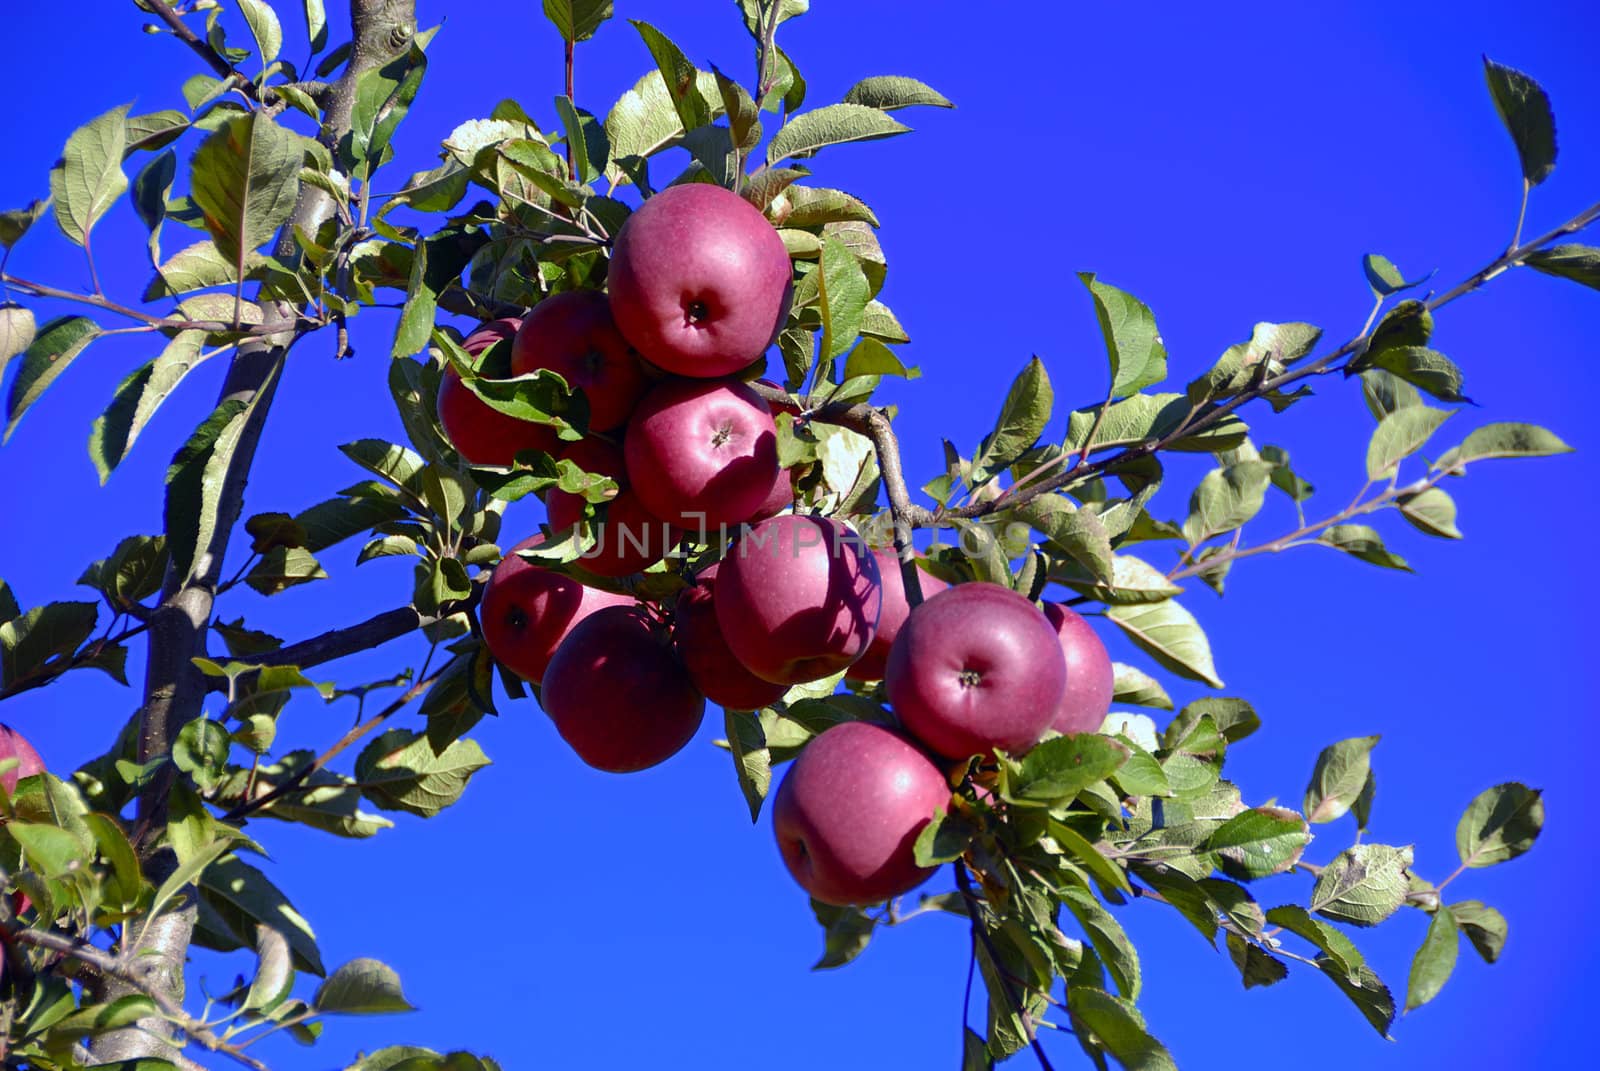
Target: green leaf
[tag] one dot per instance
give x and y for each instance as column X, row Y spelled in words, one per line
column 1362, row 542
column 1499, row 824
column 1060, row 768
column 1170, row 634
column 1425, row 368
column 1484, row 927
column 1132, row 580
column 138, row 397
column 1022, row 420
column 244, row 178
column 1132, row 685
column 282, row 568
column 361, row 987
column 17, row 331
column 834, row 124
column 1580, row 263
column 1234, row 719
column 132, row 573
column 587, row 138
column 752, row 761
column 1226, row 498
column 1364, row 885
column 759, row 14
column 1260, row 842
column 577, row 20
column 846, row 931
column 1108, row 938
column 1432, row 511
column 52, row 851
column 680, row 77
column 264, row 27
column 1118, row 1026
column 873, row 358
column 1271, row 347
column 337, row 519
column 1435, row 960
column 56, row 346
column 1525, row 110
column 888, row 92
column 843, row 298
column 316, row 25
column 1107, row 873
column 1399, row 435
column 1386, row 392
column 1256, row 967
column 16, row 222
column 1151, row 417
column 943, row 840
column 35, row 640
column 244, row 898
column 1138, row 356
column 395, row 464
column 194, row 483
column 399, row 771
column 1079, row 534
column 1502, row 440
column 644, row 121
column 1385, row 278
column 1337, row 780
column 1338, row 951
column 1370, row 996
column 89, row 178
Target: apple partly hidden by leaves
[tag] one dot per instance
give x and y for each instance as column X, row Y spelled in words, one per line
column 629, row 537
column 618, row 695
column 527, row 611
column 1090, row 677
column 895, row 611
column 700, row 282
column 849, row 810
column 573, row 335
column 798, row 598
column 976, row 668
column 702, row 454
column 712, row 665
column 13, row 745
column 481, row 433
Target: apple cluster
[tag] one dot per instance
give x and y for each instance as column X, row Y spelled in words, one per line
column 699, row 285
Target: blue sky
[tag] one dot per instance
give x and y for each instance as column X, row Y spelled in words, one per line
column 1226, row 167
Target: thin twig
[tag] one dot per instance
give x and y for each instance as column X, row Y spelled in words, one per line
column 980, row 932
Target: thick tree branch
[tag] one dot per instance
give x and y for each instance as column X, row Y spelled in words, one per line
column 339, row 643
column 174, row 689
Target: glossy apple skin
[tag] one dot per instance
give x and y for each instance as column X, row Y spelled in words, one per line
column 573, row 335
column 780, row 498
column 700, row 282
column 798, row 598
column 849, row 810
column 618, row 696
column 975, row 668
column 896, row 609
column 13, row 745
column 480, row 433
column 712, row 665
column 1090, row 678
column 702, row 453
column 527, row 611
column 631, row 538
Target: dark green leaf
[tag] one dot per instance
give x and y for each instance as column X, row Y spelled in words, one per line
column 1435, row 960
column 1060, row 768
column 362, row 987
column 1385, row 278
column 1366, row 991
column 846, row 931
column 1152, row 416
column 943, row 840
column 752, row 761
column 1500, row 824
column 400, row 771
column 1362, row 542
column 888, row 92
column 34, row 640
column 137, row 398
column 16, row 222
column 244, row 898
column 1338, row 778
column 1580, row 263
column 57, row 344
column 680, row 77
column 1256, row 967
column 282, row 568
column 1525, row 110
column 1484, row 927
column 1338, row 951
column 245, row 178
column 843, row 298
column 194, row 482
column 1119, row 1027
column 1260, row 842
column 577, row 20
column 1022, row 420
column 1106, row 934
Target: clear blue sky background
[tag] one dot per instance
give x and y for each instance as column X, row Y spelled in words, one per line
column 1227, row 167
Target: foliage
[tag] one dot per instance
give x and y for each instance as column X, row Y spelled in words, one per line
column 1046, row 849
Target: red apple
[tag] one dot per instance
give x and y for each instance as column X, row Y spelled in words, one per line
column 1090, row 678
column 849, row 810
column 702, row 454
column 895, row 611
column 618, row 696
column 700, row 282
column 572, row 334
column 798, row 598
column 481, row 433
column 976, row 668
column 13, row 745
column 629, row 537
column 711, row 664
column 527, row 611
column 780, row 498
